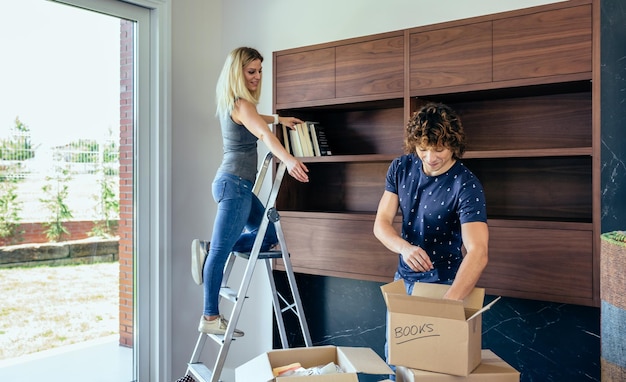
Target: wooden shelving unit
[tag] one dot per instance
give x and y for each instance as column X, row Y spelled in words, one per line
column 521, row 82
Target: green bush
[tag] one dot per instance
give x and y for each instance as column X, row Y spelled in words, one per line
column 56, row 191
column 10, row 208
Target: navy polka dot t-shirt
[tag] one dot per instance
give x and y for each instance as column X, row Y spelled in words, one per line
column 433, row 209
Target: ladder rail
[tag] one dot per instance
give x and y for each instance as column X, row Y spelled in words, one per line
column 262, row 172
column 195, row 356
column 294, row 287
column 280, row 323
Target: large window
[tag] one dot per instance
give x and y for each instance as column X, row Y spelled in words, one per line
column 141, row 160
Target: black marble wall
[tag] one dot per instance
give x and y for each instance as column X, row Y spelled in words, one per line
column 613, row 114
column 546, row 342
column 613, row 175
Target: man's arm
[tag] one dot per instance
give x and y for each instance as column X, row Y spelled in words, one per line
column 476, row 241
column 414, row 256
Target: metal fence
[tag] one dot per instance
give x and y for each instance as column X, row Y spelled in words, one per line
column 81, row 168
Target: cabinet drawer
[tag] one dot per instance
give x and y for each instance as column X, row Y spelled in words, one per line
column 450, row 57
column 305, row 76
column 337, row 245
column 370, row 67
column 541, row 44
column 541, row 262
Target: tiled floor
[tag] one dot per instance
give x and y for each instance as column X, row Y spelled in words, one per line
column 101, row 360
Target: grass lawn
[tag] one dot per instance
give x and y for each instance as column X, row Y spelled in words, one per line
column 47, row 307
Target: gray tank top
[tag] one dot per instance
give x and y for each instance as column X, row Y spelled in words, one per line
column 240, row 153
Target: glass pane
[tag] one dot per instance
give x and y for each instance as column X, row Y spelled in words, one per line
column 66, row 211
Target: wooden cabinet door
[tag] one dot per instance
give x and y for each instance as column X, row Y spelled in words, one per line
column 450, row 56
column 371, row 67
column 340, row 245
column 541, row 44
column 305, row 76
column 550, row 262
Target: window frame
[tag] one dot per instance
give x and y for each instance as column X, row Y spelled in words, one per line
column 151, row 189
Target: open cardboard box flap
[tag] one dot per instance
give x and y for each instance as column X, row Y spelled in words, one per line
column 361, row 360
column 427, row 300
column 352, row 360
column 261, row 366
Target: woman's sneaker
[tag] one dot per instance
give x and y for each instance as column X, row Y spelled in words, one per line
column 217, row 326
column 199, row 251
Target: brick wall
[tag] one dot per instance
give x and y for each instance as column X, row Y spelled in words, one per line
column 35, row 232
column 125, row 228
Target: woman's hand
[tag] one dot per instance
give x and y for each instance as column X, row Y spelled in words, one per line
column 290, row 122
column 297, row 169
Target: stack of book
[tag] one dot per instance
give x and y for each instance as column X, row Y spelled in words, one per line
column 306, row 139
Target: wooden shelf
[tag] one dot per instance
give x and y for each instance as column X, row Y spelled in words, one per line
column 350, row 158
column 530, row 153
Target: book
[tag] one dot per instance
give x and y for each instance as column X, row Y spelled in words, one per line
column 305, row 139
column 295, row 143
column 322, row 140
column 298, row 129
column 316, row 143
column 286, row 139
column 309, row 135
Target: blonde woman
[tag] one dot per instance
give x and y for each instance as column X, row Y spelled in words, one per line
column 239, row 211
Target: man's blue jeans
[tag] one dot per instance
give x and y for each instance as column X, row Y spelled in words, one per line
column 239, row 215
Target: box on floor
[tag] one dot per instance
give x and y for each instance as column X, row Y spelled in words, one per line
column 491, row 369
column 352, row 360
column 430, row 333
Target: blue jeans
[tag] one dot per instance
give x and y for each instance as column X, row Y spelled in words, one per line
column 239, row 215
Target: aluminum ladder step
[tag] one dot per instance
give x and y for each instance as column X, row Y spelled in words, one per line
column 262, row 255
column 228, row 293
column 199, row 371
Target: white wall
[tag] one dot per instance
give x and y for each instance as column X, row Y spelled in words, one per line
column 203, row 33
column 196, row 152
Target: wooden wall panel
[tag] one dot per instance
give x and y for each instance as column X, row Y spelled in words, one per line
column 540, row 263
column 305, row 76
column 370, row 67
column 450, row 56
column 542, row 44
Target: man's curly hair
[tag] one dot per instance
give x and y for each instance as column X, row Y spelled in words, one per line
column 435, row 125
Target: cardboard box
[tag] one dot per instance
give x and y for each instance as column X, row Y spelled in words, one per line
column 430, row 333
column 352, row 360
column 491, row 369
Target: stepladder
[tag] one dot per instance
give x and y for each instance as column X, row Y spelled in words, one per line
column 235, row 291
